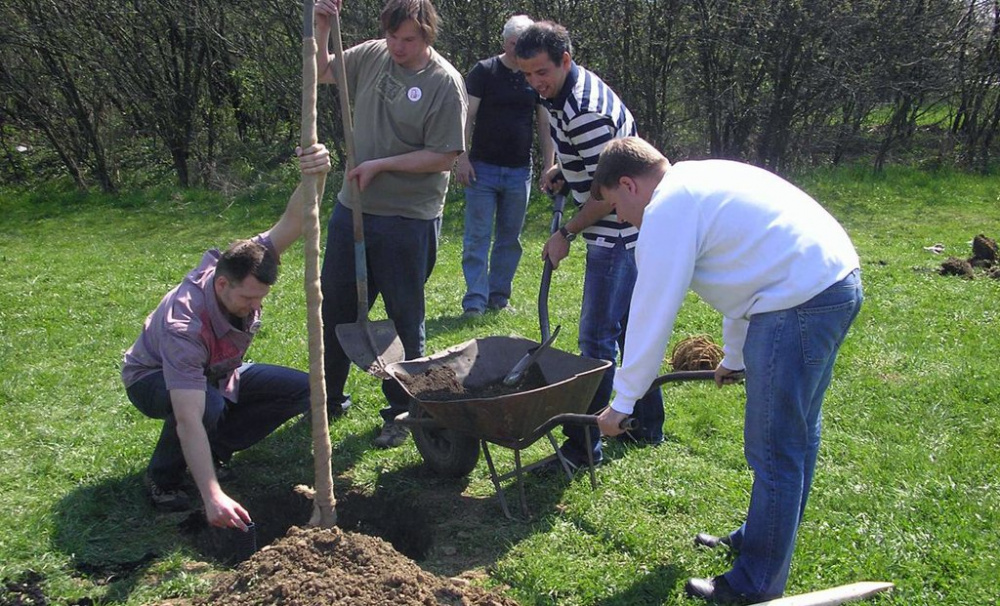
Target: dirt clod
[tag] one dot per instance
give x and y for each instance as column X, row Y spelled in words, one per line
column 984, row 249
column 336, row 567
column 953, row 266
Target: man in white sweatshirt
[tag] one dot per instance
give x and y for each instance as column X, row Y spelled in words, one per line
column 785, row 277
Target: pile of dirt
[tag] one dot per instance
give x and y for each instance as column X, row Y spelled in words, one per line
column 336, row 567
column 441, row 384
column 698, row 352
column 984, row 256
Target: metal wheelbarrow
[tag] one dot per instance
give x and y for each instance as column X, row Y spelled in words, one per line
column 450, row 428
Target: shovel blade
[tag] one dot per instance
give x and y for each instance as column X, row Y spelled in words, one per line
column 371, row 345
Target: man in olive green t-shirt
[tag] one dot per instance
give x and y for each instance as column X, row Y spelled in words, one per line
column 409, row 118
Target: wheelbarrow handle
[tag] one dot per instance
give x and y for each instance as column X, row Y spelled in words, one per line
column 627, row 424
column 688, row 375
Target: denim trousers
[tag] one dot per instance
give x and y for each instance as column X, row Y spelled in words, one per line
column 269, row 396
column 498, row 197
column 607, row 292
column 789, row 357
column 400, row 256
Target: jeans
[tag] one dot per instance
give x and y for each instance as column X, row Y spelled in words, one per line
column 789, row 356
column 401, row 254
column 269, row 396
column 499, row 193
column 607, row 292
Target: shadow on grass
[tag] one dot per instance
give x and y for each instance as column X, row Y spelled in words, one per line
column 112, row 532
column 431, row 520
column 655, row 587
column 114, row 535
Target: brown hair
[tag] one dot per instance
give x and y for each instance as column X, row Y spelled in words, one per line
column 248, row 258
column 625, row 157
column 397, row 12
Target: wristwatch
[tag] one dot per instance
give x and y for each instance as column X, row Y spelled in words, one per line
column 567, row 234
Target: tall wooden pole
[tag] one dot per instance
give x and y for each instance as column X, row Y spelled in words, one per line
column 324, row 512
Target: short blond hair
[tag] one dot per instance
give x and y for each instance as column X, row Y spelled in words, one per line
column 625, row 157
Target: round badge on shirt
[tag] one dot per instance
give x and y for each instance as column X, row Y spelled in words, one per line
column 414, row 94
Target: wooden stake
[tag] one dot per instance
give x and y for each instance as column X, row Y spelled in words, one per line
column 832, row 596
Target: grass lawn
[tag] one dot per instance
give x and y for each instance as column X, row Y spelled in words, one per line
column 907, row 486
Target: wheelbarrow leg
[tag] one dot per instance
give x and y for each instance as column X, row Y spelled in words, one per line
column 559, row 456
column 520, row 484
column 590, row 459
column 496, row 480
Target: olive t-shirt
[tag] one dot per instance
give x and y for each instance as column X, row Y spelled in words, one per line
column 397, row 111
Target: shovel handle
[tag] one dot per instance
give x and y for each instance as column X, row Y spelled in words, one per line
column 354, row 193
column 558, row 203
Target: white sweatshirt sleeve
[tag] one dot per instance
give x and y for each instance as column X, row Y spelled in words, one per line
column 734, row 335
column 665, row 255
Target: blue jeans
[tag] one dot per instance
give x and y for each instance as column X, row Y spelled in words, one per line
column 499, row 193
column 607, row 292
column 789, row 362
column 401, row 254
column 269, row 396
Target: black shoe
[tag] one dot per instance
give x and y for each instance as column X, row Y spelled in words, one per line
column 715, row 590
column 703, row 539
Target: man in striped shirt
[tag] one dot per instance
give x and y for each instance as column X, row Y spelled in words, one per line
column 584, row 115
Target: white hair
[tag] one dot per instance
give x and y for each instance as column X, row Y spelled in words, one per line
column 516, row 25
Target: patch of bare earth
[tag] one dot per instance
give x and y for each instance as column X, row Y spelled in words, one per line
column 334, row 566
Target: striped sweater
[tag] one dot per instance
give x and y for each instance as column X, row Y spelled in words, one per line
column 583, row 118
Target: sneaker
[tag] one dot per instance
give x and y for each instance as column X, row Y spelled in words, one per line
column 338, row 409
column 506, row 307
column 167, row 500
column 471, row 314
column 392, row 435
column 333, row 411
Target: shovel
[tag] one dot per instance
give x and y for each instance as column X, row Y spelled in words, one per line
column 517, row 373
column 370, row 345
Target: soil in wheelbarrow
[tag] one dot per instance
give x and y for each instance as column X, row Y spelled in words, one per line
column 441, row 384
column 337, row 567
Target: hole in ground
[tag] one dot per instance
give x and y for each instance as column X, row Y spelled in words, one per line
column 391, row 517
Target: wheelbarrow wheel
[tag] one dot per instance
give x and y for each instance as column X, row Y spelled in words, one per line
column 447, row 452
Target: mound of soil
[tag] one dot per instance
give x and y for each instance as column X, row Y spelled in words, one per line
column 337, row 567
column 953, row 266
column 441, row 384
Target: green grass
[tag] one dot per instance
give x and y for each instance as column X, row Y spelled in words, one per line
column 907, row 486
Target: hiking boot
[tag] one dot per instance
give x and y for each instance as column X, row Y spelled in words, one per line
column 174, row 499
column 392, row 435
